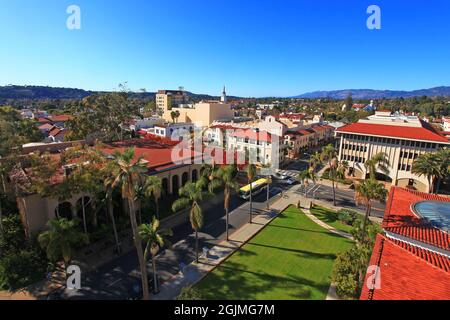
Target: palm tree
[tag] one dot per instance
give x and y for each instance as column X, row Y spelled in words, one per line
column 365, row 193
column 129, row 173
column 191, row 195
column 173, row 115
column 328, row 155
column 427, row 165
column 378, row 161
column 315, row 161
column 110, row 207
column 60, row 239
column 153, row 187
column 226, row 177
column 443, row 156
column 154, row 238
column 251, row 173
column 307, row 175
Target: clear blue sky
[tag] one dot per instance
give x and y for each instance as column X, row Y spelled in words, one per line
column 255, row 48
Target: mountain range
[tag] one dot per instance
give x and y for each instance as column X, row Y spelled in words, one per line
column 45, row 92
column 376, row 94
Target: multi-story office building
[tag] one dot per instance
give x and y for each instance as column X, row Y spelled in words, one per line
column 166, row 99
column 401, row 138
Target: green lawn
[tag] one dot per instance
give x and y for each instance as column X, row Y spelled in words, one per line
column 291, row 258
column 330, row 217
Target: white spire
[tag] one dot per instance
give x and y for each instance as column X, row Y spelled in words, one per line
column 224, row 96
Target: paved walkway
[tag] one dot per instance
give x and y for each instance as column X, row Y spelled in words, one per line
column 194, row 272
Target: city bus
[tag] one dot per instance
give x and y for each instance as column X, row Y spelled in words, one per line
column 257, row 187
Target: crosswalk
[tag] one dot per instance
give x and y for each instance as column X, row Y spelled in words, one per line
column 289, row 173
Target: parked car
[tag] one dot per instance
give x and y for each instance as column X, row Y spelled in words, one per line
column 291, row 181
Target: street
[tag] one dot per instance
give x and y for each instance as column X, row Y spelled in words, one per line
column 119, row 278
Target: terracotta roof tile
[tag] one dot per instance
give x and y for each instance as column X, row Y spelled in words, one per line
column 405, row 275
column 425, row 133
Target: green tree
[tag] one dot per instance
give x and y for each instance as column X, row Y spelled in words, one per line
column 100, row 117
column 366, row 192
column 443, row 156
column 433, row 166
column 129, row 173
column 251, row 173
column 191, row 195
column 378, row 161
column 153, row 187
column 60, row 239
column 328, row 155
column 155, row 240
column 226, row 177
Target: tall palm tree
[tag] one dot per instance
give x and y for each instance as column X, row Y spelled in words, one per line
column 152, row 188
column 191, row 195
column 427, row 165
column 307, row 175
column 226, row 177
column 60, row 239
column 377, row 162
column 155, row 240
column 108, row 184
column 328, row 155
column 128, row 175
column 314, row 160
column 443, row 156
column 365, row 193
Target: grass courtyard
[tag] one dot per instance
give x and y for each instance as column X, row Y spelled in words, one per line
column 291, row 258
column 330, row 217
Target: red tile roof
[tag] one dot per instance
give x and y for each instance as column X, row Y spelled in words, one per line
column 59, row 118
column 45, row 126
column 400, row 218
column 404, row 275
column 253, row 135
column 156, row 154
column 224, row 126
column 435, row 259
column 425, row 133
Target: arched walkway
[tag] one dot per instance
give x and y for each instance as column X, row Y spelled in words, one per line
column 165, row 186
column 64, row 210
column 175, row 185
column 194, row 175
column 184, row 179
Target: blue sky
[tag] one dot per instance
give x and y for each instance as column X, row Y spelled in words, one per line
column 255, row 48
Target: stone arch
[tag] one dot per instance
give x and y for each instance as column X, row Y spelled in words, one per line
column 184, row 179
column 64, row 210
column 165, row 186
column 175, row 185
column 194, row 175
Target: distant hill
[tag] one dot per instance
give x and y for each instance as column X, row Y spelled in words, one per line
column 376, row 94
column 43, row 92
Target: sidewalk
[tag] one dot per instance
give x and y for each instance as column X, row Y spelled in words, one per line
column 194, row 272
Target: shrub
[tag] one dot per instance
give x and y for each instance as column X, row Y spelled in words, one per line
column 21, row 269
column 22, row 262
column 347, row 216
column 189, row 293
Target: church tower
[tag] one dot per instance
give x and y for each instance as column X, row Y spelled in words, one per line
column 223, row 99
